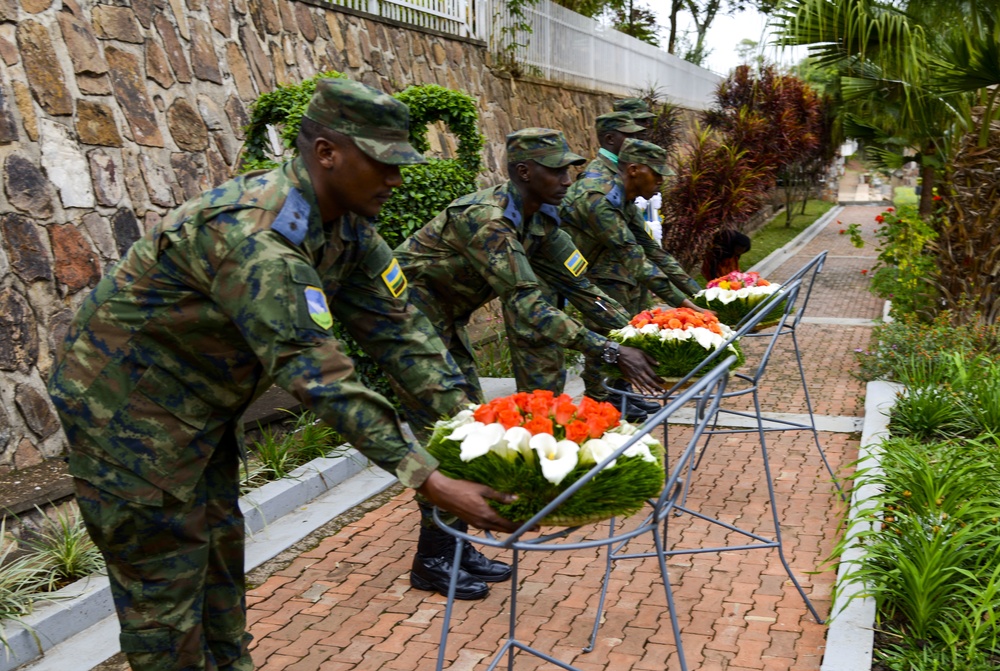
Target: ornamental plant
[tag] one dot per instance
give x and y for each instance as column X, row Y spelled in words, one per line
column 537, row 444
column 906, row 270
column 679, row 339
column 732, row 297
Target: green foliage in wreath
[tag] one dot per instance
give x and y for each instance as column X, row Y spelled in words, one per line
column 617, row 492
column 675, row 358
column 426, row 188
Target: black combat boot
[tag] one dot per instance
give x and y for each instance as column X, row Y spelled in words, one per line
column 633, row 413
column 650, row 407
column 431, row 570
column 479, row 565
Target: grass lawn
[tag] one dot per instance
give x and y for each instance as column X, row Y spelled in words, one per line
column 776, row 234
column 905, row 195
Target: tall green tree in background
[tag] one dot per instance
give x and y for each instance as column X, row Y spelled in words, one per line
column 923, row 76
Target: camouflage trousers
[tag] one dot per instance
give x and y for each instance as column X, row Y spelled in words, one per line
column 176, row 572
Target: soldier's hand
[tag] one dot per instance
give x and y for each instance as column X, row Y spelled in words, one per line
column 689, row 304
column 640, row 369
column 467, row 500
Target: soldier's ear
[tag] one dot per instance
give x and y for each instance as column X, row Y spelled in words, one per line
column 523, row 171
column 326, row 152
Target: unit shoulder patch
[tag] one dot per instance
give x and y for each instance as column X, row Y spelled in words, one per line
column 576, row 263
column 319, row 311
column 394, row 279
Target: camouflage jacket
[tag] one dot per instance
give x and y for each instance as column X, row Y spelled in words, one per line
column 601, row 167
column 236, row 289
column 479, row 248
column 596, row 214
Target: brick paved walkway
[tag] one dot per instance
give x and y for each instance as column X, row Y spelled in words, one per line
column 347, row 605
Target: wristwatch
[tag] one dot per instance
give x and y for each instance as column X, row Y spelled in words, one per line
column 610, row 353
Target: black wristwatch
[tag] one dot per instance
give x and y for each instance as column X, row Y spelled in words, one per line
column 610, row 353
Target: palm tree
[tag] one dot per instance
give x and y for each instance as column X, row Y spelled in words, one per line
column 923, row 74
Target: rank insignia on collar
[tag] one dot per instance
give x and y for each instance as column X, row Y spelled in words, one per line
column 318, row 309
column 394, row 279
column 575, row 263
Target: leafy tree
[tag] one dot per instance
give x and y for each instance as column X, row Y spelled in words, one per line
column 923, row 75
column 637, row 21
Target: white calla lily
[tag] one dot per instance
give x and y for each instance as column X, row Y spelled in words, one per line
column 640, row 449
column 557, row 458
column 518, row 440
column 477, row 439
column 596, row 450
column 460, row 432
column 463, row 417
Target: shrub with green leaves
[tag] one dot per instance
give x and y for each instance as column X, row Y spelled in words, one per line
column 905, row 269
column 282, row 449
column 932, row 566
column 895, row 345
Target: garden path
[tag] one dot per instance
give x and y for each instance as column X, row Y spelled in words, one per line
column 346, row 604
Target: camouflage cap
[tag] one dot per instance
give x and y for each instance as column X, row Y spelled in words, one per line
column 645, row 153
column 378, row 123
column 544, row 146
column 619, row 121
column 637, row 107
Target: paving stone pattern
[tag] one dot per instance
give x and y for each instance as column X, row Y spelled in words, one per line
column 347, row 604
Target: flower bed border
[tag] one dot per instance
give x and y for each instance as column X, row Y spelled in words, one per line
column 87, row 602
column 850, row 637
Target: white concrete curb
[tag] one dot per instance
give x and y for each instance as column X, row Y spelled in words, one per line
column 87, row 602
column 850, row 637
column 775, row 259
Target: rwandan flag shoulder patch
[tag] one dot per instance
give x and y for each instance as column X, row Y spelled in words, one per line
column 318, row 309
column 394, row 279
column 649, row 230
column 575, row 263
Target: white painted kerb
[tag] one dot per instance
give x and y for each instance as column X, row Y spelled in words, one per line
column 850, row 638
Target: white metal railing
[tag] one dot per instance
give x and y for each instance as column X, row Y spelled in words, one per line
column 448, row 16
column 561, row 46
column 568, row 47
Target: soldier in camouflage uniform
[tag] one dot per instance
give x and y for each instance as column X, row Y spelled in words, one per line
column 505, row 241
column 234, row 290
column 499, row 242
column 612, row 131
column 600, row 215
column 638, row 109
column 605, row 166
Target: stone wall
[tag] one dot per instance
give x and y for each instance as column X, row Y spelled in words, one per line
column 113, row 113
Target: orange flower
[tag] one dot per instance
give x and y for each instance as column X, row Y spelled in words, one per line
column 675, row 324
column 521, row 399
column 486, row 414
column 577, row 431
column 509, row 418
column 564, row 412
column 596, row 426
column 539, row 425
column 588, row 407
column 539, row 406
